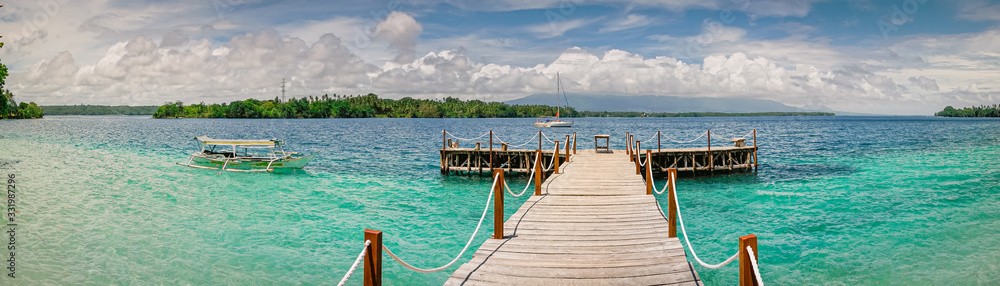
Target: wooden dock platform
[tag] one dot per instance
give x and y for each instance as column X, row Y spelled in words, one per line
column 592, row 225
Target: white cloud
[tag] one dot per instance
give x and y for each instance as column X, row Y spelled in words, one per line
column 629, row 22
column 141, row 72
column 556, row 28
column 401, row 31
column 979, row 10
column 924, row 83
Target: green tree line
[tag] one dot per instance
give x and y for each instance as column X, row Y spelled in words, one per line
column 975, row 111
column 696, row 114
column 364, row 106
column 99, row 110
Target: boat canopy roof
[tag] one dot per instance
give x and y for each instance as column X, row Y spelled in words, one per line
column 256, row 143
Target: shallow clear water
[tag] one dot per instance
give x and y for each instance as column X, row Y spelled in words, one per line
column 837, row 200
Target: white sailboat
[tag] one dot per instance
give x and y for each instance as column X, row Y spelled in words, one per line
column 554, row 121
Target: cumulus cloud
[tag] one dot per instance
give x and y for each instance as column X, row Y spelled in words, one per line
column 140, row 71
column 924, row 83
column 401, row 31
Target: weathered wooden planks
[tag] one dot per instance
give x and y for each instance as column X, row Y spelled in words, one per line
column 592, row 225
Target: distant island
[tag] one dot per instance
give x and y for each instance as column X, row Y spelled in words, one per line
column 370, row 105
column 98, row 110
column 975, row 111
column 364, row 106
column 697, row 114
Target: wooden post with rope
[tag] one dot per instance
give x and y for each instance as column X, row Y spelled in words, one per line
column 373, row 259
column 444, row 152
column 755, row 150
column 747, row 276
column 711, row 163
column 538, row 172
column 671, row 204
column 635, row 156
column 574, row 142
column 556, row 159
column 628, row 147
column 658, row 142
column 567, row 148
column 498, row 204
column 649, row 172
column 491, row 150
column 539, row 140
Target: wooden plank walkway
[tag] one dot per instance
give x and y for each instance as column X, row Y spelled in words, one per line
column 593, row 225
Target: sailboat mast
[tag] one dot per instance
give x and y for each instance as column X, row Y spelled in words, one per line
column 558, row 88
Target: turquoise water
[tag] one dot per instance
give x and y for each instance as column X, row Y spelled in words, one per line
column 837, row 200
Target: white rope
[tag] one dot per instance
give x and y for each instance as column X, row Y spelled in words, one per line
column 530, row 140
column 680, row 220
column 552, row 162
column 547, row 138
column 464, row 139
column 486, row 209
column 689, row 141
column 753, row 262
column 530, row 176
column 650, row 138
column 361, row 257
column 664, row 189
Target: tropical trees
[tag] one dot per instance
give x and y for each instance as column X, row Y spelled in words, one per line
column 364, row 106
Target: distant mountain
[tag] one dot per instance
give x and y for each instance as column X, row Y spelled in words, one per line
column 654, row 103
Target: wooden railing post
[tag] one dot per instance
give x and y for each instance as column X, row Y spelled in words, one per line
column 556, row 159
column 671, row 204
column 711, row 163
column 538, row 172
column 567, row 148
column 658, row 142
column 498, row 204
column 444, row 139
column 574, row 142
column 635, row 156
column 373, row 259
column 491, row 149
column 747, row 276
column 628, row 146
column 649, row 172
column 755, row 150
column 539, row 140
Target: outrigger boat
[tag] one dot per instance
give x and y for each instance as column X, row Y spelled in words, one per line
column 245, row 156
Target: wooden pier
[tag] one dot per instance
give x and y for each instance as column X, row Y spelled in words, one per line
column 488, row 155
column 594, row 224
column 593, row 221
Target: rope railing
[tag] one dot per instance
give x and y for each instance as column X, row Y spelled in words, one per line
column 744, row 136
column 680, row 221
column 685, row 142
column 496, row 178
column 547, row 138
column 530, row 140
column 753, row 262
column 552, row 162
column 465, row 139
column 361, row 257
column 530, row 176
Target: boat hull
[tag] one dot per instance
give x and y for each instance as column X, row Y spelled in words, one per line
column 554, row 124
column 254, row 164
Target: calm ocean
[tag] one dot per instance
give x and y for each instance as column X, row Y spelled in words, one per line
column 837, row 200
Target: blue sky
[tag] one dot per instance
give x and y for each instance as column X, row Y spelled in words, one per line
column 890, row 57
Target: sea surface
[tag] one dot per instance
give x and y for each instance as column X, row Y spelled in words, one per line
column 836, row 200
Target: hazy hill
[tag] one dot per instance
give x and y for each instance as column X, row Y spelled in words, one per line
column 652, row 103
